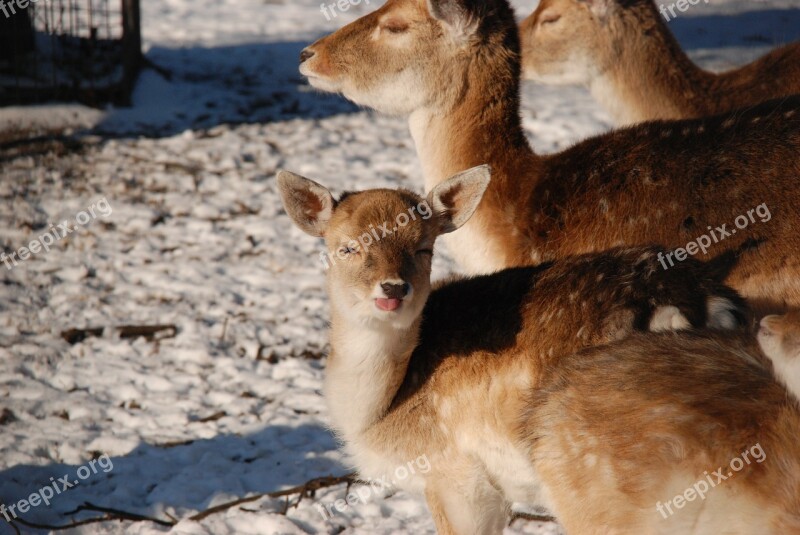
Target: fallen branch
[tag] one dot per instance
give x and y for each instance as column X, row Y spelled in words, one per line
column 149, row 332
column 530, row 517
column 214, row 417
column 305, row 490
column 121, row 515
column 74, row 336
column 73, row 524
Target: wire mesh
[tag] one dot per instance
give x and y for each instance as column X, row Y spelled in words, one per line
column 84, row 50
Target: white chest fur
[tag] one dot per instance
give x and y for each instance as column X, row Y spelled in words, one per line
column 473, row 251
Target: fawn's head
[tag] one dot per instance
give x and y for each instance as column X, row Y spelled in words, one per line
column 567, row 41
column 412, row 54
column 380, row 242
column 779, row 336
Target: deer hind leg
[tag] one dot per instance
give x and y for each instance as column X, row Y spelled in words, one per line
column 464, row 502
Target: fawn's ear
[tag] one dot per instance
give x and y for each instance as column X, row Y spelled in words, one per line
column 455, row 15
column 456, row 199
column 309, row 204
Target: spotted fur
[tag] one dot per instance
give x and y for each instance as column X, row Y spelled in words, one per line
column 449, row 373
column 661, row 182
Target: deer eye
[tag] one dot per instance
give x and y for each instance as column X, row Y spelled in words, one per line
column 549, row 18
column 395, row 26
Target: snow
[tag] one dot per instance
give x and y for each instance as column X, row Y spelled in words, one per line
column 46, row 118
column 230, row 406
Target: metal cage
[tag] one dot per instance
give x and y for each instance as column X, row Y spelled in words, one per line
column 87, row 51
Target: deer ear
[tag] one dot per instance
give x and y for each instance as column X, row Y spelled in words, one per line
column 600, row 8
column 309, row 204
column 456, row 199
column 455, row 15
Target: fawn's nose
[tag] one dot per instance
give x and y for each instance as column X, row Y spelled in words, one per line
column 306, row 54
column 395, row 291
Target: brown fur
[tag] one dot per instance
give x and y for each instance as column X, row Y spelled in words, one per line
column 787, row 327
column 650, row 407
column 661, row 182
column 535, row 314
column 779, row 339
column 626, row 47
column 455, row 382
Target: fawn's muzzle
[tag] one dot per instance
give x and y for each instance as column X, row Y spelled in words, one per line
column 395, row 291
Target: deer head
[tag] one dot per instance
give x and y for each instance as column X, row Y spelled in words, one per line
column 411, row 54
column 380, row 242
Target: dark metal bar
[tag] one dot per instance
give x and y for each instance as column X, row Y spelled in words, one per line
column 76, row 50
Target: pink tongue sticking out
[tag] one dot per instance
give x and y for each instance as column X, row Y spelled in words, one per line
column 388, row 304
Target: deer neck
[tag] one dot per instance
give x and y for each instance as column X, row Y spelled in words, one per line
column 366, row 367
column 482, row 126
column 652, row 77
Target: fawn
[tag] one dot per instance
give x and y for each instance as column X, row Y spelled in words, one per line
column 453, row 66
column 779, row 338
column 449, row 372
column 635, row 68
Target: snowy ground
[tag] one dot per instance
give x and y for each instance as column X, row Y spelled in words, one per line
column 193, row 235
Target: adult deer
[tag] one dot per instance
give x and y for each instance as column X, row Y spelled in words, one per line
column 452, row 67
column 624, row 53
column 476, row 376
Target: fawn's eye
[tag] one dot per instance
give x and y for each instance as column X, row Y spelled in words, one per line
column 395, row 26
column 346, row 250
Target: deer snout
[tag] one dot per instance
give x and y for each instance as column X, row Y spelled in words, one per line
column 315, row 64
column 306, row 54
column 393, row 294
column 395, row 291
